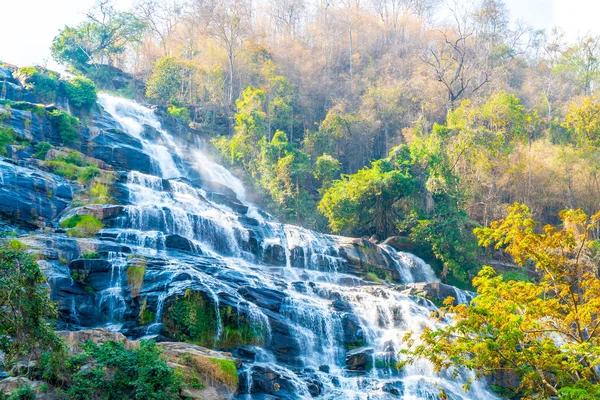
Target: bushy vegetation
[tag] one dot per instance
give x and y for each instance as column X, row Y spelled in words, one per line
column 81, row 92
column 66, row 125
column 43, row 83
column 7, row 137
column 82, row 225
column 26, row 328
column 112, row 372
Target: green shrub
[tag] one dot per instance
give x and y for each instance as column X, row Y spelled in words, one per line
column 181, row 113
column 66, row 125
column 8, row 136
column 63, row 168
column 36, row 109
column 100, row 193
column 82, row 225
column 88, row 173
column 228, row 370
column 41, row 149
column 23, row 393
column 81, row 92
column 43, row 84
column 113, row 372
column 192, row 318
column 90, row 255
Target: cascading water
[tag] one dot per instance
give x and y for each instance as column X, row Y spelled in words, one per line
column 291, row 283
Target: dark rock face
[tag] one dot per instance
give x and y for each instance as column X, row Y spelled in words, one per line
column 178, row 242
column 360, row 359
column 31, row 197
column 122, row 152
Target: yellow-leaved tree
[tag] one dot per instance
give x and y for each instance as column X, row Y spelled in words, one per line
column 546, row 333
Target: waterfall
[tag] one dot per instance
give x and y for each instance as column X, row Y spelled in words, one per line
column 192, row 222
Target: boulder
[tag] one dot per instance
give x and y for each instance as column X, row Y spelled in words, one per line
column 360, row 359
column 436, row 291
column 121, row 151
column 178, row 242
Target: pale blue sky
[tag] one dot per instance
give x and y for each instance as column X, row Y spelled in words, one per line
column 27, row 31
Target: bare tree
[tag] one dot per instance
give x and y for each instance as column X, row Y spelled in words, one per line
column 459, row 59
column 229, row 22
column 161, row 16
column 287, row 15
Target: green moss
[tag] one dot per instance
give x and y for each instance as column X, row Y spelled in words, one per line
column 82, row 225
column 372, row 277
column 135, row 278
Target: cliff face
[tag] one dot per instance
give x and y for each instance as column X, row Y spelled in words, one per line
column 141, row 233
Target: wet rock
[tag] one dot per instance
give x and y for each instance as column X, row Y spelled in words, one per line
column 400, row 243
column 393, row 388
column 179, row 243
column 121, row 151
column 263, row 297
column 353, row 333
column 324, row 368
column 360, row 359
column 341, row 305
column 274, row 254
column 30, row 197
column 247, row 352
column 268, row 381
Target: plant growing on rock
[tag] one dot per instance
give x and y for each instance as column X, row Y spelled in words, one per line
column 81, row 92
column 66, row 125
column 82, row 225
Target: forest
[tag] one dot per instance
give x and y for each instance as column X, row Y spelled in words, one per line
column 446, row 129
column 368, row 118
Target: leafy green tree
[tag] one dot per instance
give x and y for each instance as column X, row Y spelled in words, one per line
column 583, row 122
column 546, row 332
column 326, row 169
column 169, row 81
column 24, row 304
column 81, row 92
column 102, row 38
column 367, row 202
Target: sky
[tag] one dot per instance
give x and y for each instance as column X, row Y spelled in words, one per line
column 26, row 34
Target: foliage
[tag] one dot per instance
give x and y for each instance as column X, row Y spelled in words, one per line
column 181, row 113
column 114, row 372
column 135, row 278
column 41, row 149
column 25, row 329
column 82, row 225
column 583, row 122
column 8, row 136
column 66, row 125
column 90, row 255
column 43, row 83
column 544, row 332
column 81, row 92
column 192, row 318
column 102, row 37
column 167, row 82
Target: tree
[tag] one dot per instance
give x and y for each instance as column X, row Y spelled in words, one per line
column 229, row 23
column 546, row 333
column 583, row 122
column 583, row 60
column 365, row 202
column 170, row 81
column 24, row 304
column 102, row 38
